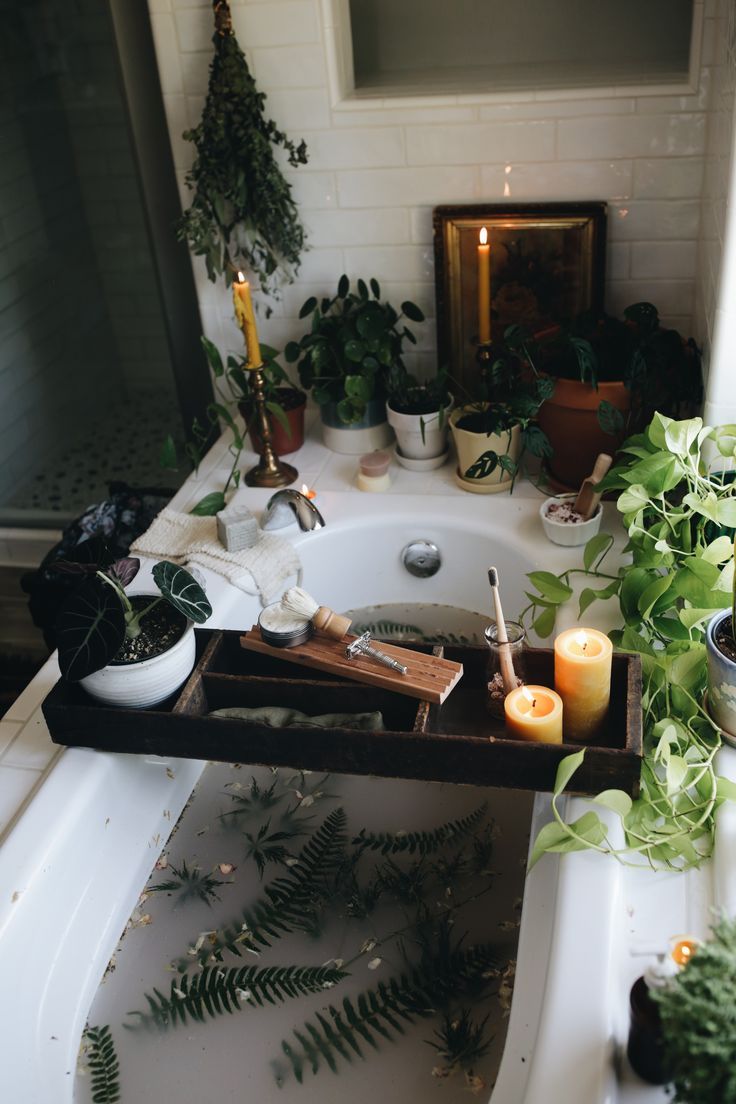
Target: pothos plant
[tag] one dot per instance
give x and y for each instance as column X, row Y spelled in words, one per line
column 680, row 514
column 98, row 617
column 242, row 213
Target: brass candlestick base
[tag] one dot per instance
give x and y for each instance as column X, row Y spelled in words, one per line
column 269, row 471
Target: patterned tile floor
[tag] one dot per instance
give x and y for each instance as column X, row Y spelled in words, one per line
column 125, row 444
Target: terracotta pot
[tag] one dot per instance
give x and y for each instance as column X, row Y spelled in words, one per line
column 470, row 445
column 281, row 441
column 570, row 420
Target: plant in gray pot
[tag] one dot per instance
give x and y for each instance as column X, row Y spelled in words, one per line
column 131, row 650
column 417, row 412
column 353, row 343
column 720, row 648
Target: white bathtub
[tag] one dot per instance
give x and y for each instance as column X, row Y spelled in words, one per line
column 73, row 865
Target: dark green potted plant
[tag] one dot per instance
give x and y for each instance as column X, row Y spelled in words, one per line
column 494, row 427
column 418, row 412
column 353, row 344
column 698, row 1026
column 129, row 650
column 611, row 375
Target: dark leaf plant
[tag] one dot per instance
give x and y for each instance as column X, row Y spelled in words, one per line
column 509, row 393
column 679, row 510
column 99, row 616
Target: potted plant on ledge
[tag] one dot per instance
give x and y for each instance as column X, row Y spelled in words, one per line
column 353, row 343
column 417, row 412
column 610, row 378
column 493, row 430
column 131, row 650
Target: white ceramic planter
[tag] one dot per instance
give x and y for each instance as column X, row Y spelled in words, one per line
column 568, row 534
column 412, row 444
column 721, row 680
column 372, row 433
column 148, row 683
column 470, row 446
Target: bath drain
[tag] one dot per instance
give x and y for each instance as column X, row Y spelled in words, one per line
column 421, row 558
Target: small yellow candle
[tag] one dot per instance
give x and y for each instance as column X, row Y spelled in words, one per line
column 583, row 681
column 484, row 287
column 247, row 321
column 534, row 713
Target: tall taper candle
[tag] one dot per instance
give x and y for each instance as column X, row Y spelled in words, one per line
column 484, row 287
column 247, row 321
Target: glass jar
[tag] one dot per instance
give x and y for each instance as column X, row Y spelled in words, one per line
column 496, row 692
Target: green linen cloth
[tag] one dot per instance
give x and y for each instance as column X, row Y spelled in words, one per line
column 278, row 716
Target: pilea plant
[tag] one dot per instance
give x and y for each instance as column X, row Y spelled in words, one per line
column 242, row 214
column 98, row 617
column 680, row 514
column 353, row 344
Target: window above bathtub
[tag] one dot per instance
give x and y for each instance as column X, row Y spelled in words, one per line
column 394, row 49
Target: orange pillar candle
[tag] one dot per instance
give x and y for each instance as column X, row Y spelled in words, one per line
column 534, row 713
column 484, row 287
column 583, row 680
column 247, row 321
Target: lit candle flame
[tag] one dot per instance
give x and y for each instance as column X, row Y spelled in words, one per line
column 308, row 492
column 582, row 640
column 683, row 950
column 241, row 277
column 528, row 696
column 483, row 236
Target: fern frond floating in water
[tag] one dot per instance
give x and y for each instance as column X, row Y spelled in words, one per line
column 267, row 847
column 293, row 902
column 461, row 1042
column 256, row 799
column 423, row 843
column 215, row 991
column 103, row 1065
column 378, row 1013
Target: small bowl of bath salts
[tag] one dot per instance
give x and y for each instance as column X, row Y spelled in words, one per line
column 563, row 525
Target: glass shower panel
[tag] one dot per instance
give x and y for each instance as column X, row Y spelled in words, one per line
column 87, row 390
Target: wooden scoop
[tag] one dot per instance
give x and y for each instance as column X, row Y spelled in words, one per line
column 587, row 501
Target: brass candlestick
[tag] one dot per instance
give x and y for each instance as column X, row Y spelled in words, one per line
column 270, row 471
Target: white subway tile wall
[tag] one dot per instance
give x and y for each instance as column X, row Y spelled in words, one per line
column 377, row 167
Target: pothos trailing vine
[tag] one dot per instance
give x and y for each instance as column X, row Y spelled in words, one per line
column 680, row 515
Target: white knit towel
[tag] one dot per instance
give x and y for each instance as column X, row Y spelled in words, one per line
column 189, row 539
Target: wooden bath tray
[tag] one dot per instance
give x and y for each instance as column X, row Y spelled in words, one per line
column 454, row 742
column 428, row 677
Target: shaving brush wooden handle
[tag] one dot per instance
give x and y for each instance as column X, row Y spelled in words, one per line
column 326, row 621
column 331, row 624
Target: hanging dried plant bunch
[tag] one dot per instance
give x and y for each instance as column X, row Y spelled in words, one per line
column 242, row 214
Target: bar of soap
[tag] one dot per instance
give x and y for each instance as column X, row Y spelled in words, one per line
column 237, row 528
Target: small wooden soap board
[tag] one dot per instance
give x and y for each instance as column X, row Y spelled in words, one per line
column 428, row 677
column 455, row 741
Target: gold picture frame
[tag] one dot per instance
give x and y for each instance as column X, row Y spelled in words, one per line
column 547, row 265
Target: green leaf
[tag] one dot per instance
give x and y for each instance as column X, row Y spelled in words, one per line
column 182, row 591
column 610, row 418
column 704, row 506
column 343, row 286
column 550, row 586
column 544, row 624
column 213, row 356
column 652, row 593
column 90, row 629
column 167, row 456
column 375, row 288
column 725, row 789
column 679, row 437
column 210, row 505
column 726, row 512
column 616, row 800
column 412, row 311
column 358, row 387
column 355, row 350
column 307, row 308
column 676, row 773
column 633, row 499
column 292, row 352
column 595, row 548
column 549, row 838
column 718, row 551
column 566, row 770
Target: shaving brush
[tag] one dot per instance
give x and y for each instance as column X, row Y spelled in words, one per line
column 326, row 621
